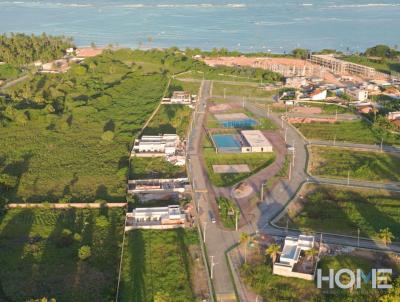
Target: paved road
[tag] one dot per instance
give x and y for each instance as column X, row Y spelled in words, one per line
column 376, row 147
column 217, row 240
column 14, row 82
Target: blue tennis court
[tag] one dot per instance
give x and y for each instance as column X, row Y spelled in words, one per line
column 242, row 123
column 226, row 142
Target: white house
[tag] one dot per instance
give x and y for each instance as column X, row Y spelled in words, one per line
column 161, row 215
column 358, row 94
column 395, row 115
column 156, row 145
column 291, row 255
column 255, row 141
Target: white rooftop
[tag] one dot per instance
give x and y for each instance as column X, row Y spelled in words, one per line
column 255, row 138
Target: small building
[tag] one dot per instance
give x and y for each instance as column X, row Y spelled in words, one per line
column 292, row 262
column 156, row 145
column 57, row 66
column 70, row 51
column 358, row 94
column 142, row 186
column 255, row 141
column 181, row 97
column 171, row 215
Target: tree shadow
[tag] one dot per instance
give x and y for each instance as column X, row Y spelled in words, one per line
column 109, row 126
column 15, row 270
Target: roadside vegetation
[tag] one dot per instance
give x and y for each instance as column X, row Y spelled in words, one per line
column 341, row 210
column 160, row 266
column 228, row 211
column 362, row 165
column 170, row 119
column 328, row 108
column 69, row 255
column 192, row 87
column 355, row 132
column 154, row 167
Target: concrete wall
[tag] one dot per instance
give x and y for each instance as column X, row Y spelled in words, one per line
column 286, row 271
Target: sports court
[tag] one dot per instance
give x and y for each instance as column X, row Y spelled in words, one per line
column 235, row 120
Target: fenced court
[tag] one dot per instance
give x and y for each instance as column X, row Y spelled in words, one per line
column 226, row 143
column 235, row 120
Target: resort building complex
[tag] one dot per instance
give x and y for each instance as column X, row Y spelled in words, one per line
column 156, row 145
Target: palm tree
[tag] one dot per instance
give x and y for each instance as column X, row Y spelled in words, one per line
column 244, row 238
column 386, row 236
column 312, row 253
column 273, row 250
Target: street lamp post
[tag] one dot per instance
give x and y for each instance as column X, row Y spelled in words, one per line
column 204, row 231
column 212, row 266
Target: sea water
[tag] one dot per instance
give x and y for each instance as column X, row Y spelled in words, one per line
column 244, row 25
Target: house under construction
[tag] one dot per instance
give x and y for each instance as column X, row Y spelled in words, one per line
column 342, row 67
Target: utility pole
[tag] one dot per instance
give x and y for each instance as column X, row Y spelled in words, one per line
column 282, row 121
column 358, row 237
column 348, row 178
column 286, row 134
column 243, row 102
column 382, row 145
column 224, row 93
column 236, row 220
column 294, row 152
column 334, row 140
column 204, row 231
column 212, row 266
column 336, row 115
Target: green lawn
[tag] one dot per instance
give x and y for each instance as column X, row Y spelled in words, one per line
column 337, row 162
column 154, row 167
column 228, row 211
column 255, row 161
column 356, row 132
column 170, row 119
column 157, row 266
column 37, row 261
column 192, row 87
column 343, row 210
column 242, row 90
column 328, row 108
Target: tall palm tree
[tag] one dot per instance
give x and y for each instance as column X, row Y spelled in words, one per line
column 244, row 238
column 386, row 236
column 273, row 250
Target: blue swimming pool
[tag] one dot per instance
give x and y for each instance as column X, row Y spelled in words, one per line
column 226, row 142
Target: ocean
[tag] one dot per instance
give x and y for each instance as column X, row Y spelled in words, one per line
column 244, row 25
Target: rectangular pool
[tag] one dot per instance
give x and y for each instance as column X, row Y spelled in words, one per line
column 226, row 142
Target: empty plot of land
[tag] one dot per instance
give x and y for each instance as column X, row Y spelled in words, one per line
column 344, row 210
column 362, row 165
column 221, row 169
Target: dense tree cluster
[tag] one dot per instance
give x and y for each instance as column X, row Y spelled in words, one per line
column 20, row 49
column 382, row 51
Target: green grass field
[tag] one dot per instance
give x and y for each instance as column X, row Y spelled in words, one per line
column 157, row 266
column 192, row 87
column 154, row 167
column 255, row 161
column 329, row 109
column 363, row 165
column 356, row 132
column 170, row 119
column 343, row 210
column 242, row 90
column 37, row 261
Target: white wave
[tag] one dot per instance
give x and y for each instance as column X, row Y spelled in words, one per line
column 133, row 5
column 236, row 5
column 365, row 5
column 307, row 4
column 76, row 5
